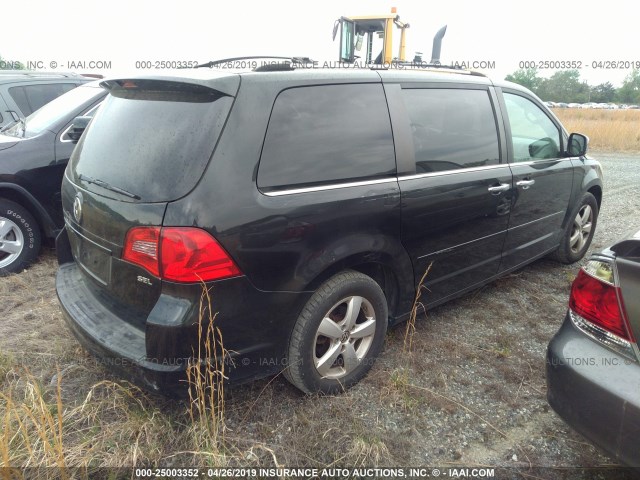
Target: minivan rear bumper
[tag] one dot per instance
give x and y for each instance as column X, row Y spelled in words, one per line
column 254, row 325
column 118, row 345
column 595, row 391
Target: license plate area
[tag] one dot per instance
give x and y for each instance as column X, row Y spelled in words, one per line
column 94, row 259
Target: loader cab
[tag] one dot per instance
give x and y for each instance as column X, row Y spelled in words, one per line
column 375, row 34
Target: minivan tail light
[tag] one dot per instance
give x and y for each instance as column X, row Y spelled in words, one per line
column 192, row 255
column 178, row 254
column 596, row 306
column 141, row 248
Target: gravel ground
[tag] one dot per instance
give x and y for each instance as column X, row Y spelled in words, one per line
column 472, row 391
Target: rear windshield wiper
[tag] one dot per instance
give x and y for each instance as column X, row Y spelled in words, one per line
column 103, row 184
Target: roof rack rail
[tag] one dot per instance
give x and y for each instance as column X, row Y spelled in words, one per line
column 293, row 60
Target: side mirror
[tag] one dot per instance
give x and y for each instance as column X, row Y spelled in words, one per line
column 77, row 128
column 577, row 145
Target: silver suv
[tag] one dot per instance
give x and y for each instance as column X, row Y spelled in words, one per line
column 24, row 92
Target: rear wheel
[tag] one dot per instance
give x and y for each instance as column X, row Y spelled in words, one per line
column 338, row 335
column 579, row 232
column 19, row 237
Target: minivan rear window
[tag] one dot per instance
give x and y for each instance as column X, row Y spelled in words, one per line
column 151, row 141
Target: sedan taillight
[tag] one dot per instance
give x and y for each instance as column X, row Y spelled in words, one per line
column 597, row 308
column 178, row 254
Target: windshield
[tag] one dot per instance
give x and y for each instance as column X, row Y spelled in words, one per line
column 47, row 117
column 154, row 141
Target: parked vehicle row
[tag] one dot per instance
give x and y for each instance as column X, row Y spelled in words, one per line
column 591, row 105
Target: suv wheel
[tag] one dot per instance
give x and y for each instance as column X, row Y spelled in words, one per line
column 579, row 232
column 19, row 237
column 338, row 335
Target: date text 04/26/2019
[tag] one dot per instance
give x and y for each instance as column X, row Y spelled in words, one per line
column 580, row 64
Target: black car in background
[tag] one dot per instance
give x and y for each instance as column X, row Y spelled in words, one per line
column 593, row 369
column 309, row 202
column 22, row 92
column 33, row 155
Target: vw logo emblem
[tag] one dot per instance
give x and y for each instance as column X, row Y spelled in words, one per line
column 77, row 207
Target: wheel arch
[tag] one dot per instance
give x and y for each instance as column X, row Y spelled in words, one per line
column 396, row 282
column 596, row 191
column 19, row 195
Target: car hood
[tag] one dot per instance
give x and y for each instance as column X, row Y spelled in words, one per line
column 7, row 141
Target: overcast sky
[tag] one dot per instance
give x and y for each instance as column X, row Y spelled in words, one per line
column 122, row 32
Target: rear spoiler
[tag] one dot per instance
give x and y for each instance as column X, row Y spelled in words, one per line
column 215, row 85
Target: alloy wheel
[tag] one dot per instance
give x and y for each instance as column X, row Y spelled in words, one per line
column 344, row 337
column 11, row 242
column 581, row 230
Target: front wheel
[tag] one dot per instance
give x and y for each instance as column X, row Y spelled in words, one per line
column 19, row 237
column 338, row 334
column 579, row 232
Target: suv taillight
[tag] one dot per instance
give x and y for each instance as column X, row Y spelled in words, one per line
column 596, row 307
column 178, row 254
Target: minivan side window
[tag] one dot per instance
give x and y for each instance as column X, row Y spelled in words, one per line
column 533, row 134
column 327, row 134
column 452, row 128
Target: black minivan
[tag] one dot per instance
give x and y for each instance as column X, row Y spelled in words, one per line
column 309, row 203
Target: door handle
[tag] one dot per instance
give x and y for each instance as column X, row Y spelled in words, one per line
column 503, row 187
column 525, row 183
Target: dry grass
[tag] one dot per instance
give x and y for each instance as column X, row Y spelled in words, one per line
column 206, row 385
column 613, row 130
column 417, row 305
column 32, row 427
column 113, row 424
column 364, row 451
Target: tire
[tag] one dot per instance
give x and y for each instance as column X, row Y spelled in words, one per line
column 19, row 237
column 579, row 231
column 350, row 342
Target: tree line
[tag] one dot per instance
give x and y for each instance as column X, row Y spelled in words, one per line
column 566, row 86
column 10, row 64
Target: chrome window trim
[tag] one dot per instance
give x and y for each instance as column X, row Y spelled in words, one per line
column 453, row 172
column 332, row 186
column 540, row 160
